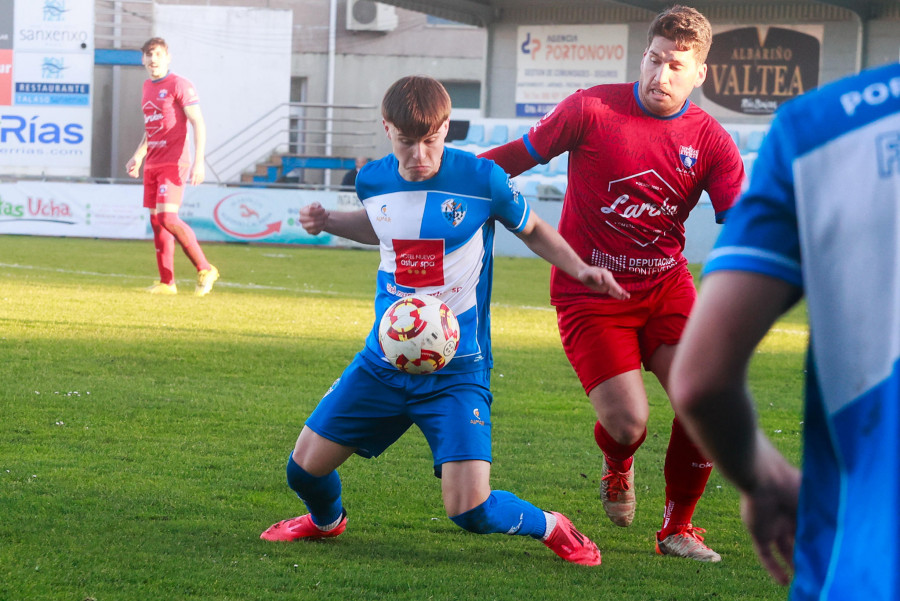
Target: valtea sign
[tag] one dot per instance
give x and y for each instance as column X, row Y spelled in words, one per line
column 753, row 70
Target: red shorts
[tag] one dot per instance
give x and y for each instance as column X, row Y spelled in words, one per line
column 164, row 184
column 606, row 337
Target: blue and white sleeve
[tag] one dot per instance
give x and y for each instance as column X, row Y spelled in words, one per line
column 508, row 206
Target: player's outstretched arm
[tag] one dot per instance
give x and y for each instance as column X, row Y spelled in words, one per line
column 545, row 242
column 513, row 157
column 353, row 225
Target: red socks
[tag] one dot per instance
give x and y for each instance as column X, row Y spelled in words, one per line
column 164, row 242
column 185, row 235
column 618, row 456
column 687, row 472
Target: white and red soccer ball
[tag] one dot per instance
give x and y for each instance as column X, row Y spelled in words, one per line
column 419, row 334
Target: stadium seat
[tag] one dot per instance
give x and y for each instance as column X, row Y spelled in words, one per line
column 498, row 135
column 754, row 141
column 539, row 169
column 531, row 190
column 475, row 135
column 520, row 132
column 562, row 164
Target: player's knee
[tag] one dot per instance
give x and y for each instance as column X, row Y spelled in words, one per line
column 628, row 431
column 168, row 219
column 484, row 519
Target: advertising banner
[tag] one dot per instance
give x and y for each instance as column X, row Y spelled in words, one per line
column 232, row 215
column 755, row 69
column 46, row 72
column 216, row 214
column 76, row 210
column 555, row 60
column 6, row 53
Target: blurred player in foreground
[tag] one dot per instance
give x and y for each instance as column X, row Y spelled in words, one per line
column 169, row 103
column 432, row 211
column 640, row 155
column 821, row 217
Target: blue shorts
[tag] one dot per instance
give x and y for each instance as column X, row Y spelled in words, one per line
column 369, row 407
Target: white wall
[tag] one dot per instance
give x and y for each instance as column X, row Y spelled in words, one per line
column 239, row 59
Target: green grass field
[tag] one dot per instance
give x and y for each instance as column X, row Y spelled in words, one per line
column 143, row 441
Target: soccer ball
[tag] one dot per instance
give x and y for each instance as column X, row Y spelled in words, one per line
column 418, row 334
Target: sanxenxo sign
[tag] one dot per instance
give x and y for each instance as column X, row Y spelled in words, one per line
column 46, row 78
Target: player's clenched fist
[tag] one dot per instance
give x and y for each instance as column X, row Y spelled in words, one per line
column 313, row 218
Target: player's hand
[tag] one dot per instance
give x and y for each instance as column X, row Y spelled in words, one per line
column 770, row 513
column 313, row 218
column 133, row 167
column 197, row 175
column 602, row 280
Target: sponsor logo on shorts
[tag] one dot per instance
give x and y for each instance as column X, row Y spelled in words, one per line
column 477, row 421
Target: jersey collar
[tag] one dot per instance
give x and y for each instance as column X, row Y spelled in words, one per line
column 637, row 98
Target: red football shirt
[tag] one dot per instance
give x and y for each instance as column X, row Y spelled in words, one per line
column 166, row 125
column 633, row 180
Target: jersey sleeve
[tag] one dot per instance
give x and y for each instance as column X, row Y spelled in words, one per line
column 557, row 131
column 727, row 177
column 185, row 93
column 508, row 206
column 761, row 233
column 513, row 157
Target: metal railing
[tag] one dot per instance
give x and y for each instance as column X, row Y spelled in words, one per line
column 296, row 128
column 122, row 23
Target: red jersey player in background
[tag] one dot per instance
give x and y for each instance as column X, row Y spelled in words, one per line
column 640, row 155
column 169, row 103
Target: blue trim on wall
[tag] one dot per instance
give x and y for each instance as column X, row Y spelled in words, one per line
column 115, row 56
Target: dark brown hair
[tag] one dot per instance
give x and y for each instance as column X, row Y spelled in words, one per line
column 153, row 43
column 685, row 26
column 416, row 105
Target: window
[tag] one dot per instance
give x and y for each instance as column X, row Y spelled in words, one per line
column 464, row 94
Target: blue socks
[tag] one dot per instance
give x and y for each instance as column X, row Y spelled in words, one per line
column 321, row 495
column 503, row 512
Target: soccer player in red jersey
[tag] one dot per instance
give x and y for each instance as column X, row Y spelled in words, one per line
column 640, row 156
column 169, row 103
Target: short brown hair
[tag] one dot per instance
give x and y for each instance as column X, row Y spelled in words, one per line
column 153, row 43
column 685, row 26
column 416, row 105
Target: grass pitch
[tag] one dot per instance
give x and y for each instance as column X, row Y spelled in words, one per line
column 143, row 441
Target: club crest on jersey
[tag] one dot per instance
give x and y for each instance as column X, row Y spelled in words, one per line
column 163, row 94
column 454, row 211
column 688, row 155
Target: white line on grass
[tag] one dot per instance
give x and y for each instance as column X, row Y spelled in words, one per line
column 219, row 284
